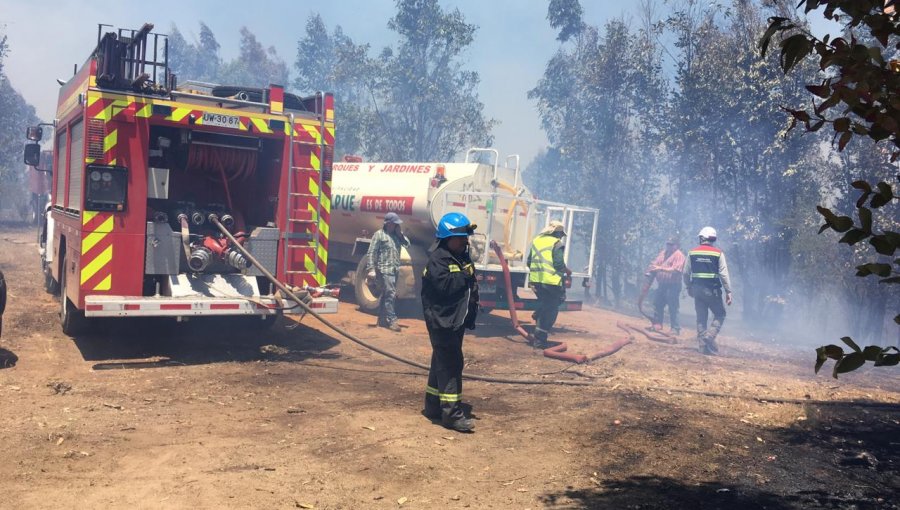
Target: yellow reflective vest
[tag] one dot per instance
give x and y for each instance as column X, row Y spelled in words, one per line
column 541, row 267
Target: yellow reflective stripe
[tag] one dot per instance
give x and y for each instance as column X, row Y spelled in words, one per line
column 179, row 113
column 449, row 397
column 261, row 125
column 145, row 112
column 106, row 284
column 110, row 140
column 704, row 275
column 453, row 268
column 432, row 391
column 96, row 264
column 91, row 240
column 313, row 132
column 88, row 216
column 425, row 272
column 704, row 252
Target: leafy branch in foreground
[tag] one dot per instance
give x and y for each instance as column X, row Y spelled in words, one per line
column 865, row 81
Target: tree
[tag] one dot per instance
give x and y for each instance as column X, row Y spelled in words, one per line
column 598, row 100
column 861, row 77
column 197, row 60
column 17, row 114
column 333, row 62
column 425, row 101
column 255, row 65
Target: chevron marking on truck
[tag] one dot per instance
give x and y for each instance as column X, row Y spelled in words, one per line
column 97, row 251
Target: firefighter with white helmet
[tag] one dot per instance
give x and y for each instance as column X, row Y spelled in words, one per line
column 450, row 304
column 706, row 275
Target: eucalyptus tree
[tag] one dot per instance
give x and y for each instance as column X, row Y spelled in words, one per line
column 425, row 98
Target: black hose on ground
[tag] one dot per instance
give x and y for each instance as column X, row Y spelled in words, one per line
column 288, row 292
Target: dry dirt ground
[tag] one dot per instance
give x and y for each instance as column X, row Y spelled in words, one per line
column 156, row 415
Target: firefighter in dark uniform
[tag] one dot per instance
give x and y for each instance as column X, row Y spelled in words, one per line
column 450, row 304
column 705, row 275
column 546, row 266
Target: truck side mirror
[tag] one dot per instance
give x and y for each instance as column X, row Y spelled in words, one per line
column 33, row 154
column 34, row 133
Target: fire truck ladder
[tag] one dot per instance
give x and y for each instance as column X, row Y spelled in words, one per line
column 302, row 230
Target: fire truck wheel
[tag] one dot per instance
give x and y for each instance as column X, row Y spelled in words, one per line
column 368, row 297
column 71, row 319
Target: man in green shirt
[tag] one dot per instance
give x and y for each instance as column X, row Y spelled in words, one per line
column 384, row 265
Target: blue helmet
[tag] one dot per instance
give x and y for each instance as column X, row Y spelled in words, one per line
column 454, row 225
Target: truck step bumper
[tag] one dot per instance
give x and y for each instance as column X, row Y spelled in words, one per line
column 125, row 306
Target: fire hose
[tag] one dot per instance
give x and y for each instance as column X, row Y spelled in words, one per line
column 289, row 293
column 558, row 351
column 658, row 336
column 648, row 282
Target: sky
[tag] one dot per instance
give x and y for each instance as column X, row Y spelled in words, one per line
column 511, row 48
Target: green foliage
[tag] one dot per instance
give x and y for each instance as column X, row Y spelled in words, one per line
column 254, row 66
column 425, row 100
column 17, row 114
column 565, row 16
column 333, row 62
column 866, row 84
column 198, row 61
column 600, row 103
column 412, row 102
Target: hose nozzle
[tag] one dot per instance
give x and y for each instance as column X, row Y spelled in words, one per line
column 200, row 259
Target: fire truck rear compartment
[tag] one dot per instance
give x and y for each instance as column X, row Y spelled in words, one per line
column 194, row 174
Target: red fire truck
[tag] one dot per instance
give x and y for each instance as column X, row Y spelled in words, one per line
column 145, row 171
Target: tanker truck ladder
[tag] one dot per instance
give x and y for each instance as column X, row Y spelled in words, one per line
column 303, row 250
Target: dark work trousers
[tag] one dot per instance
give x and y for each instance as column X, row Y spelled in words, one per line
column 549, row 298
column 667, row 294
column 444, row 391
column 708, row 299
column 387, row 315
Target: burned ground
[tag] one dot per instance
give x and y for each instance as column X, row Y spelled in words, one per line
column 159, row 415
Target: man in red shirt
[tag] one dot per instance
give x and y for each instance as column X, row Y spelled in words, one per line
column 666, row 268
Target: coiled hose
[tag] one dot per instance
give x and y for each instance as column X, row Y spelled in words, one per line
column 349, row 336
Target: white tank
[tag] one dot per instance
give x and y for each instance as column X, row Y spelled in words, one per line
column 362, row 193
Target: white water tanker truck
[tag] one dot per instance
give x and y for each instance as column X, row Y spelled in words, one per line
column 489, row 194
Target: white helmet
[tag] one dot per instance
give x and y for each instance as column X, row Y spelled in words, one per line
column 708, row 233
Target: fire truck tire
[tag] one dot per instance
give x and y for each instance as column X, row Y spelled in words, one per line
column 71, row 319
column 368, row 297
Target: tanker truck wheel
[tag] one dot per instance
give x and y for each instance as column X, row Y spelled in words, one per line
column 368, row 297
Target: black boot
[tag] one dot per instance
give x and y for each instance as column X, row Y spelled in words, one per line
column 540, row 339
column 462, row 424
